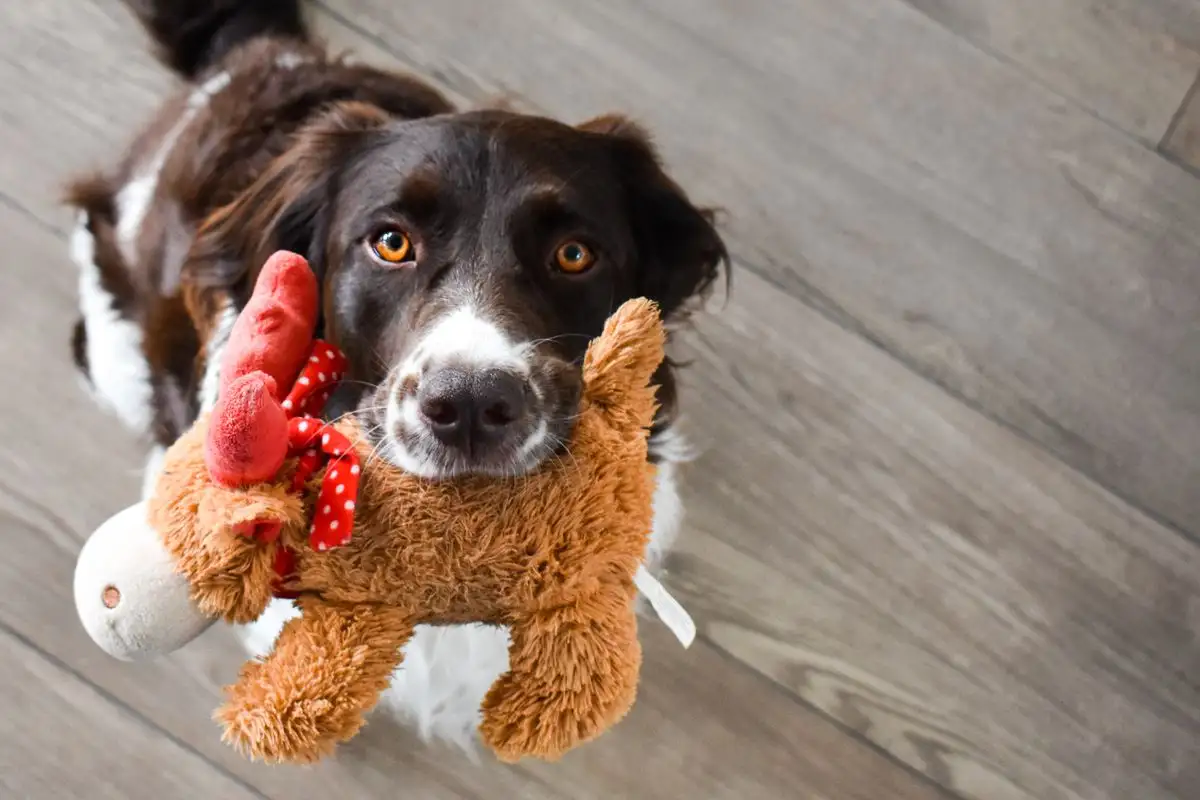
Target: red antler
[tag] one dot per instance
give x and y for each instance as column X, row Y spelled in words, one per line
column 248, row 431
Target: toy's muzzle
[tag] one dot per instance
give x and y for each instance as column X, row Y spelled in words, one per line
column 130, row 599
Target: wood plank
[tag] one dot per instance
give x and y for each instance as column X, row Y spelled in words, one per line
column 684, row 738
column 1002, row 241
column 63, row 739
column 932, row 581
column 704, row 727
column 79, row 80
column 1127, row 61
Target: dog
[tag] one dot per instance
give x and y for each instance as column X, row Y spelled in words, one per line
column 465, row 259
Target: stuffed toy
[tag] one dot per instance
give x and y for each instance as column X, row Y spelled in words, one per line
column 262, row 499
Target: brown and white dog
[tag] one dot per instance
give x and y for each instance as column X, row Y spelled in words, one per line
column 465, row 258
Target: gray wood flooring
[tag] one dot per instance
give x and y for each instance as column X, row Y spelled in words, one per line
column 944, row 533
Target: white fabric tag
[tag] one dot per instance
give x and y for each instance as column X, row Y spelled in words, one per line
column 669, row 610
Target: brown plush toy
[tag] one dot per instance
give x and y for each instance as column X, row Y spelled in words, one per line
column 245, row 516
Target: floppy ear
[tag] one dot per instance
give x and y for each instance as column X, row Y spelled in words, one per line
column 681, row 251
column 288, row 207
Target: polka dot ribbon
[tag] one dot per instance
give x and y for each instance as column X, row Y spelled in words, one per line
column 316, row 444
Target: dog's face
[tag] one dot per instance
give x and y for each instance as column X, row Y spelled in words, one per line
column 466, row 261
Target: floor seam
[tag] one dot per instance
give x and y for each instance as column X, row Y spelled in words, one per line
column 1177, row 117
column 776, row 687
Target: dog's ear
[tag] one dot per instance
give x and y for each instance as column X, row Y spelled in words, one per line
column 288, row 207
column 680, row 250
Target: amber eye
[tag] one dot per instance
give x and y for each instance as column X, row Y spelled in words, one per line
column 393, row 247
column 573, row 257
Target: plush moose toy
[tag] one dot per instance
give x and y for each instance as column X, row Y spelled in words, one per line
column 262, row 499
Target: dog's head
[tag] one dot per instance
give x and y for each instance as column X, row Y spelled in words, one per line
column 466, row 261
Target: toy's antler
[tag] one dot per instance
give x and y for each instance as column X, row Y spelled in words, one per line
column 248, row 431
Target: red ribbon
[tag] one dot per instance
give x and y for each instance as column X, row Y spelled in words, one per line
column 318, row 444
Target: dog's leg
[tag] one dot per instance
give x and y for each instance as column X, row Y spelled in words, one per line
column 107, row 342
column 152, row 470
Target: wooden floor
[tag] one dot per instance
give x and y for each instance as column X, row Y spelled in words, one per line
column 944, row 536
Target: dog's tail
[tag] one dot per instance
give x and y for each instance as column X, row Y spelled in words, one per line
column 192, row 35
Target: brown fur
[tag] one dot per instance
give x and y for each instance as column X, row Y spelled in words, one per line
column 551, row 554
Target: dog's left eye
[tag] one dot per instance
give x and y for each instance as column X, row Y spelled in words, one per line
column 393, row 246
column 573, row 257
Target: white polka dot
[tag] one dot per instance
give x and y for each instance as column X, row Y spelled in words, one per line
column 303, row 427
column 340, row 488
column 333, row 474
column 329, row 354
column 321, row 376
column 345, row 539
column 287, row 404
column 311, row 453
column 313, row 359
column 333, row 526
column 337, row 451
column 304, row 381
column 325, row 439
column 349, row 505
column 322, row 546
column 325, row 510
column 354, row 470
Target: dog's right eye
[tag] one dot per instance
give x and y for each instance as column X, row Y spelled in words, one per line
column 393, row 247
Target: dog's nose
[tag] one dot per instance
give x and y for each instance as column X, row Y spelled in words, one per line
column 471, row 408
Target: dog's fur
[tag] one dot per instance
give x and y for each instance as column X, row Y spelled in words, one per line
column 275, row 145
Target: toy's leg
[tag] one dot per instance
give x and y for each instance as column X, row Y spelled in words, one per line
column 572, row 673
column 327, row 670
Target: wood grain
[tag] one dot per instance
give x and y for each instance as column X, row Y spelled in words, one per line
column 912, row 582
column 78, row 80
column 109, row 753
column 1127, row 61
column 1001, row 240
column 932, row 581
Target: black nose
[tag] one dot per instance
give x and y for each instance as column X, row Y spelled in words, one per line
column 471, row 409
